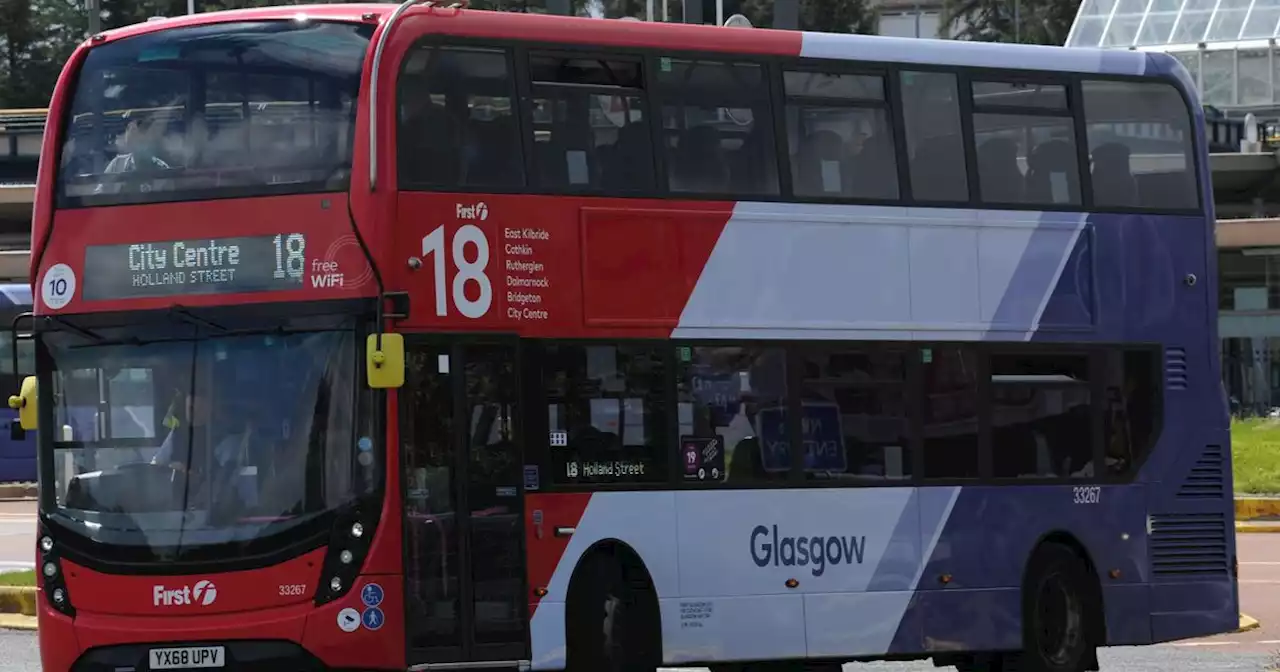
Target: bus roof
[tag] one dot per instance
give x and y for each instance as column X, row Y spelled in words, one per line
column 346, row 12
column 15, row 296
column 638, row 34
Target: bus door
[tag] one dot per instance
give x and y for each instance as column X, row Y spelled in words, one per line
column 463, row 539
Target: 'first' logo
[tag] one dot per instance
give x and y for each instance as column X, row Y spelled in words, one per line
column 204, row 593
column 478, row 211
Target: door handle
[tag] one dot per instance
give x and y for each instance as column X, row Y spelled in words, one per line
column 564, row 531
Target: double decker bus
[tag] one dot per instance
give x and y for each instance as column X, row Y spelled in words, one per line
column 416, row 337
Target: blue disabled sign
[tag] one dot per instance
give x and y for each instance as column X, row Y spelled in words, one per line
column 371, row 595
column 372, row 618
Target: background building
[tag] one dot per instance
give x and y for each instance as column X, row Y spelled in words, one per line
column 1228, row 45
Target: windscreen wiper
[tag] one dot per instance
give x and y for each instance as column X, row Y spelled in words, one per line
column 69, row 326
column 183, row 313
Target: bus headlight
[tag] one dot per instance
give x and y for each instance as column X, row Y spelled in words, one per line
column 55, row 587
column 349, row 540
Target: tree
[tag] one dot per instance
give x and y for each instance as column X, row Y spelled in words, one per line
column 1027, row 21
column 36, row 39
column 577, row 7
column 828, row 16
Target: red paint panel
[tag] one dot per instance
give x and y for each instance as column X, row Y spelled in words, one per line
column 553, row 266
column 623, row 250
column 575, row 30
column 543, row 514
column 363, row 649
column 59, row 646
column 284, row 623
column 331, row 250
column 95, row 593
column 385, row 556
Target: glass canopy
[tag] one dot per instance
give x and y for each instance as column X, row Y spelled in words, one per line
column 1153, row 23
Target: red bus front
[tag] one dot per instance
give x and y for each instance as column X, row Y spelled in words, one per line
column 212, row 459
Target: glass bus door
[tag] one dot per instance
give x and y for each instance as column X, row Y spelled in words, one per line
column 463, row 539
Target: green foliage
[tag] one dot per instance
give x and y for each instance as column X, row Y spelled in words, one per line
column 36, row 37
column 26, row 577
column 1255, row 455
column 578, row 7
column 828, row 16
column 1027, row 21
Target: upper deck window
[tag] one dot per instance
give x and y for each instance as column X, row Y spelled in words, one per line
column 457, row 123
column 588, row 124
column 1025, row 139
column 224, row 110
column 1140, row 146
column 935, row 145
column 716, row 128
column 840, row 136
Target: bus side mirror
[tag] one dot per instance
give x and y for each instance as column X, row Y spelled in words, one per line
column 25, row 403
column 385, row 364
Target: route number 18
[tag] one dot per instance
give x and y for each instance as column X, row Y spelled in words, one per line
column 468, row 271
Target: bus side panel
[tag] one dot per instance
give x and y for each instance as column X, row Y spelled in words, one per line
column 1158, row 290
column 644, row 521
column 989, row 536
column 1159, row 265
column 17, row 458
column 785, row 573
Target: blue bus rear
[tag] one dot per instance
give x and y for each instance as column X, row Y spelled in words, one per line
column 17, row 457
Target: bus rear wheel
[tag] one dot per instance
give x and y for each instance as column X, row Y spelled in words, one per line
column 612, row 620
column 1058, row 601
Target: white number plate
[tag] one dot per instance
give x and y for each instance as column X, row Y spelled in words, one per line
column 188, row 658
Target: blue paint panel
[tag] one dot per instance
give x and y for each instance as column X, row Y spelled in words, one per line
column 17, row 458
column 1072, row 305
column 1124, row 280
column 1183, row 610
column 972, row 620
column 1128, row 609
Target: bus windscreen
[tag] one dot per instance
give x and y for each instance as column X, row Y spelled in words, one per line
column 224, row 110
column 169, row 444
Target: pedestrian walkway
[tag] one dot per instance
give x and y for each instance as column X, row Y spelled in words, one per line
column 1258, row 526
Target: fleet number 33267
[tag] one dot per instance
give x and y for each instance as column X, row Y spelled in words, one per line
column 1090, row 494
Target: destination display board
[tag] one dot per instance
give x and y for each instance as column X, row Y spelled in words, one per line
column 267, row 263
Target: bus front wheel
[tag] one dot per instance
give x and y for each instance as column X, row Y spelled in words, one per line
column 612, row 619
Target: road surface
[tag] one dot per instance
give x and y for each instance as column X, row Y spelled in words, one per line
column 1254, row 651
column 17, row 537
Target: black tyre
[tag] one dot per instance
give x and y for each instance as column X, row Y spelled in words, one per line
column 613, row 622
column 1058, row 601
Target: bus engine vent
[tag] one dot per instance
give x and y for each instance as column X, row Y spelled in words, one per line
column 1207, row 477
column 1188, row 545
column 1175, row 368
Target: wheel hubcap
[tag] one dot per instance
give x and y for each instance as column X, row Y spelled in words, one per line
column 1060, row 621
column 610, row 606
